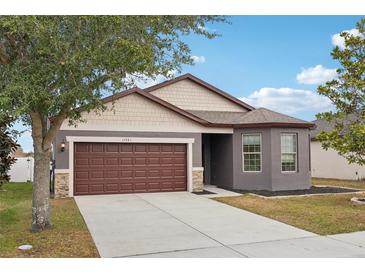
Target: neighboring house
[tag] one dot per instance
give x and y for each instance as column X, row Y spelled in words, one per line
column 177, row 136
column 328, row 163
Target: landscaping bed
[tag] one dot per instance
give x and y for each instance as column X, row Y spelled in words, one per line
column 69, row 237
column 321, row 214
column 312, row 190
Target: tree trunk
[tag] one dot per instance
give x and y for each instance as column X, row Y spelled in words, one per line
column 40, row 205
column 41, row 217
column 43, row 136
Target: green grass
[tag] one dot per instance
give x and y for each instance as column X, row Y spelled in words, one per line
column 68, row 238
column 324, row 215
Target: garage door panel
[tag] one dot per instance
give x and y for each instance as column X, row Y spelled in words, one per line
column 126, row 174
column 96, row 188
column 180, row 173
column 126, row 161
column 180, row 148
column 82, row 162
column 112, row 187
column 96, row 161
column 114, row 148
column 140, row 161
column 82, row 189
column 140, row 148
column 126, row 148
column 82, row 175
column 96, row 147
column 111, row 174
column 140, row 174
column 153, row 161
column 105, row 168
column 111, row 161
column 96, row 174
column 166, row 161
column 179, row 160
column 154, row 174
column 82, row 147
column 154, row 149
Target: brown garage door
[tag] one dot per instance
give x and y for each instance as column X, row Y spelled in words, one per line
column 107, row 168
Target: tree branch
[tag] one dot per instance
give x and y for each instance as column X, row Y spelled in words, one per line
column 4, row 57
column 55, row 126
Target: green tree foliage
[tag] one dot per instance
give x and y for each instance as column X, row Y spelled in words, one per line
column 8, row 146
column 58, row 66
column 347, row 93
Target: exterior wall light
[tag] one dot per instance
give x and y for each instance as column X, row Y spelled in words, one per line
column 63, row 145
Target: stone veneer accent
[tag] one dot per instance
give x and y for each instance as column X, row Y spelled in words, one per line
column 61, row 185
column 198, row 184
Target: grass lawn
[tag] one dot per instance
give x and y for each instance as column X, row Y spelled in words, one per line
column 68, row 238
column 341, row 183
column 325, row 215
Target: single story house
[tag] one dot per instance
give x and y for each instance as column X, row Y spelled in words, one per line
column 335, row 168
column 178, row 136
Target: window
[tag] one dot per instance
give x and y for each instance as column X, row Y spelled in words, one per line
column 288, row 152
column 251, row 152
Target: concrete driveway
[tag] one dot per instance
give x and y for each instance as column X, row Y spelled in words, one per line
column 181, row 224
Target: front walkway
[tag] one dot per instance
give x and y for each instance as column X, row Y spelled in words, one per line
column 181, row 224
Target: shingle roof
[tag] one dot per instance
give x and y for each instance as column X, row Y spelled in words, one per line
column 324, row 125
column 257, row 116
column 219, row 117
column 260, row 117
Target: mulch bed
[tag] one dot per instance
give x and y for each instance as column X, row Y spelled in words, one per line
column 204, row 192
column 312, row 190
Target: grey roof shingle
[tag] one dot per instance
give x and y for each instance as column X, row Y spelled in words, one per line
column 324, row 125
column 257, row 116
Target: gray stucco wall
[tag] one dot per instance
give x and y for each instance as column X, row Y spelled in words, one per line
column 221, row 160
column 290, row 181
column 206, row 158
column 252, row 180
column 271, row 177
column 62, row 158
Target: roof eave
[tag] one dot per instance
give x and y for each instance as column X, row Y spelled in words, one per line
column 262, row 125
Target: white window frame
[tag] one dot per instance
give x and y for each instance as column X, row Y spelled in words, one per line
column 243, row 153
column 296, row 153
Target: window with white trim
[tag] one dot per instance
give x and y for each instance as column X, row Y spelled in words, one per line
column 251, row 148
column 289, row 152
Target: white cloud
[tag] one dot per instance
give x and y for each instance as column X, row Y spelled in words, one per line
column 288, row 100
column 316, row 75
column 339, row 41
column 198, row 59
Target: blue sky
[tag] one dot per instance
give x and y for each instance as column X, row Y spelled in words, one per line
column 270, row 61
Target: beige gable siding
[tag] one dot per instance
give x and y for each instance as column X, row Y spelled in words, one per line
column 136, row 113
column 190, row 96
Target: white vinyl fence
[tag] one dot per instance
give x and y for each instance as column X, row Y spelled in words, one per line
column 22, row 170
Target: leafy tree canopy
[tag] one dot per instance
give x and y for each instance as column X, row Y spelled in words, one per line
column 347, row 93
column 8, row 146
column 53, row 64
